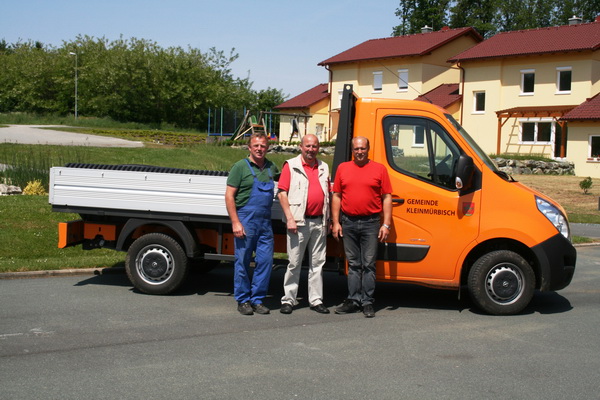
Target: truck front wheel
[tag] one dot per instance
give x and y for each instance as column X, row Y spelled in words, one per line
column 156, row 264
column 501, row 282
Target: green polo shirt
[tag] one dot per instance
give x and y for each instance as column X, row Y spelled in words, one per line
column 241, row 178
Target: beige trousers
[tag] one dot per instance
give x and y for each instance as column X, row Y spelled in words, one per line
column 311, row 236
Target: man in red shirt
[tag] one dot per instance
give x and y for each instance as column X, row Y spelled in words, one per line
column 304, row 198
column 361, row 192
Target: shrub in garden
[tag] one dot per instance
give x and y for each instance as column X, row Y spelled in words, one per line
column 586, row 184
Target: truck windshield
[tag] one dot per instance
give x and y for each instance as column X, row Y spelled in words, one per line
column 484, row 157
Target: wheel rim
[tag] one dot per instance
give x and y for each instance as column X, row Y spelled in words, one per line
column 504, row 283
column 155, row 264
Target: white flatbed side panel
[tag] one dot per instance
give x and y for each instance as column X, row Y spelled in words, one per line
column 140, row 191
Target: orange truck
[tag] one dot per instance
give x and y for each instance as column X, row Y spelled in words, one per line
column 458, row 221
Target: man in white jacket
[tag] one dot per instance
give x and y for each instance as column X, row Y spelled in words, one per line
column 304, row 198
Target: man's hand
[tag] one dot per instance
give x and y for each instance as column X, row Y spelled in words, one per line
column 383, row 233
column 336, row 231
column 238, row 230
column 291, row 225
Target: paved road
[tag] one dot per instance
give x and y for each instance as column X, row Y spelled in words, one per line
column 95, row 337
column 34, row 134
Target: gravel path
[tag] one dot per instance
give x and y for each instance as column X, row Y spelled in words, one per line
column 33, row 134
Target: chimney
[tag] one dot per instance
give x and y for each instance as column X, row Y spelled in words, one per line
column 426, row 29
column 574, row 20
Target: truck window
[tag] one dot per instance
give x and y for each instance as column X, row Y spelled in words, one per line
column 421, row 148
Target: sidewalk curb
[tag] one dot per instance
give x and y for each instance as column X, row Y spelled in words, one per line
column 62, row 272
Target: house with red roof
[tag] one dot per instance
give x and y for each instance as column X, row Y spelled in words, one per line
column 534, row 92
column 402, row 67
column 306, row 113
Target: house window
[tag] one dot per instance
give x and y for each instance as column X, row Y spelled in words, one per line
column 478, row 102
column 402, row 80
column 527, row 81
column 377, row 81
column 594, row 148
column 563, row 80
column 539, row 132
column 418, row 136
column 340, row 95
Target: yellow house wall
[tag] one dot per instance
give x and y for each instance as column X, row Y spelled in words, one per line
column 579, row 148
column 482, row 127
column 319, row 115
column 424, row 73
column 501, row 81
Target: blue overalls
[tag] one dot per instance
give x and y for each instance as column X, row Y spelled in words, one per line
column 255, row 217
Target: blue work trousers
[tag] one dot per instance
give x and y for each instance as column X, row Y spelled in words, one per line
column 251, row 285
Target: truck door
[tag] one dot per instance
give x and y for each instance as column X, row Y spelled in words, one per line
column 433, row 222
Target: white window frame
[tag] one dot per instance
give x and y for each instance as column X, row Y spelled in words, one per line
column 377, row 79
column 536, row 121
column 340, row 95
column 403, row 80
column 591, row 157
column 558, row 73
column 523, row 73
column 475, row 102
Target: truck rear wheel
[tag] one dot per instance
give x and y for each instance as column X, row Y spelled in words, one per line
column 501, row 282
column 156, row 264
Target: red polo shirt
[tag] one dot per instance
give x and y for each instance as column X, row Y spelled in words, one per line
column 316, row 197
column 362, row 187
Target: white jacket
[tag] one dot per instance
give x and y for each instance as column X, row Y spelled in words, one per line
column 298, row 192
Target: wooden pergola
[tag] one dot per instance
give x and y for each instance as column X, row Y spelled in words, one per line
column 554, row 112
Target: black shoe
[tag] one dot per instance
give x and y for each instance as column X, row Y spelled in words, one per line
column 347, row 307
column 245, row 308
column 320, row 308
column 368, row 310
column 286, row 308
column 261, row 309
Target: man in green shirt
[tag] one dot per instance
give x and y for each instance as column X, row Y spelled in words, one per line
column 248, row 198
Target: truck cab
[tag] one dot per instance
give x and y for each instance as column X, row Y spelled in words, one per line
column 457, row 219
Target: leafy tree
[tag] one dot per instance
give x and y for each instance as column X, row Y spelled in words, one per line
column 479, row 14
column 416, row 14
column 126, row 79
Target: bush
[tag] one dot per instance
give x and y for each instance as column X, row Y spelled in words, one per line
column 34, row 188
column 586, row 184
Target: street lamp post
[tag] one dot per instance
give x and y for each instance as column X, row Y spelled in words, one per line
column 76, row 67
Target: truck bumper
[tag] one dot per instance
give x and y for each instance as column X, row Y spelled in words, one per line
column 557, row 258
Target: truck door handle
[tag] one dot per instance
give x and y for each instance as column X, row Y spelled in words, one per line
column 399, row 201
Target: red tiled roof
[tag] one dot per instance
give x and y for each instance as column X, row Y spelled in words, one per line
column 565, row 38
column 306, row 99
column 586, row 111
column 401, row 46
column 444, row 95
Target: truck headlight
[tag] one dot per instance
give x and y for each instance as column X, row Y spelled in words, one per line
column 554, row 215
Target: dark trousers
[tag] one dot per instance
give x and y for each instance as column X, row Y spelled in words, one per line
column 360, row 246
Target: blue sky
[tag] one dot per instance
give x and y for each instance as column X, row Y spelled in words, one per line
column 279, row 42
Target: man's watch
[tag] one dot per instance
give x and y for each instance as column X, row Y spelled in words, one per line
column 387, row 226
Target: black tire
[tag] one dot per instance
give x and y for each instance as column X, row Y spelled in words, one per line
column 501, row 283
column 156, row 264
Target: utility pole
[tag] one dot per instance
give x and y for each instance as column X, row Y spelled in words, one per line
column 76, row 68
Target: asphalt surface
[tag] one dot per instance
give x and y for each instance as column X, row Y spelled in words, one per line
column 95, row 337
column 34, row 134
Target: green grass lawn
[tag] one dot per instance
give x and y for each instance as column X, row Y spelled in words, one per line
column 29, row 237
column 28, row 227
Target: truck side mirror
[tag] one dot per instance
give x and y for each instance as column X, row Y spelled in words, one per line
column 464, row 172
